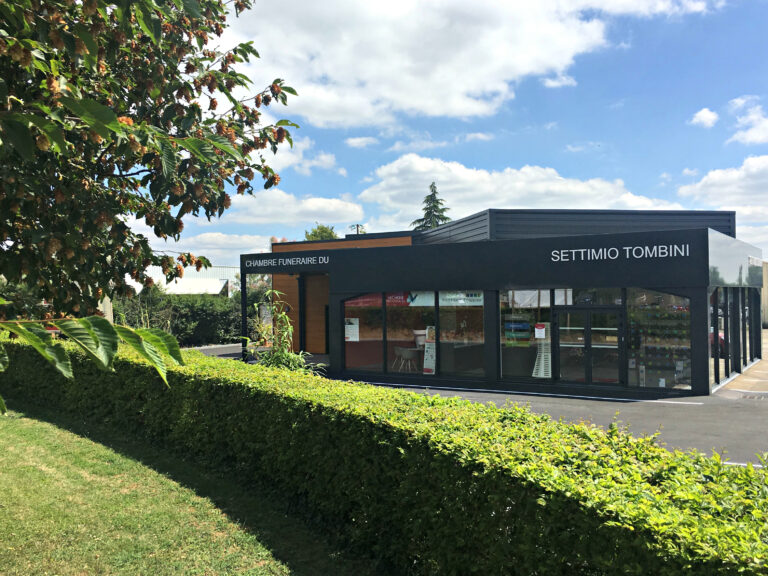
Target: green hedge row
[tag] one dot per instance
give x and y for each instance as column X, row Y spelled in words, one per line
column 433, row 485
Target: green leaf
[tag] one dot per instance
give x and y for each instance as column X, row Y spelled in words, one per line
column 289, row 90
column 148, row 23
column 3, row 409
column 20, row 138
column 144, row 348
column 192, row 7
column 100, row 344
column 200, row 148
column 168, row 159
column 287, row 123
column 84, row 34
column 40, row 339
column 163, row 341
column 3, row 301
column 224, row 145
column 99, row 118
column 4, row 360
column 51, row 129
column 105, row 332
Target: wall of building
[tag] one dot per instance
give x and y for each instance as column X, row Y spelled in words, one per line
column 765, row 295
column 316, row 286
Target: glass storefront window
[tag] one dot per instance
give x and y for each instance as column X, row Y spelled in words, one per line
column 462, row 337
column 363, row 333
column 526, row 349
column 597, row 297
column 410, row 318
column 714, row 350
column 659, row 346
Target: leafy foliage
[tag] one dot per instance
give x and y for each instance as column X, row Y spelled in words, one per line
column 434, row 485
column 320, row 232
column 434, row 211
column 273, row 345
column 96, row 337
column 193, row 319
column 115, row 111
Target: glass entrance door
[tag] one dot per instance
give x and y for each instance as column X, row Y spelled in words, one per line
column 590, row 345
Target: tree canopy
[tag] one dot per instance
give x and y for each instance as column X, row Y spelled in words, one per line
column 320, row 232
column 117, row 112
column 434, row 211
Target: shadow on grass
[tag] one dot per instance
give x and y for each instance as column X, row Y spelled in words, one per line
column 258, row 509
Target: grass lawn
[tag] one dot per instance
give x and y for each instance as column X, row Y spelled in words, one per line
column 69, row 505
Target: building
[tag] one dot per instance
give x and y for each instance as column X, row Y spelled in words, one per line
column 221, row 280
column 588, row 302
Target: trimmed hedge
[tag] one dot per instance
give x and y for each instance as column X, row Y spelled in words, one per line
column 433, row 485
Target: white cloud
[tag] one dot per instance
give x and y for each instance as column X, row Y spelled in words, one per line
column 559, row 81
column 275, row 206
column 374, row 64
column 481, row 136
column 417, row 145
column 690, row 172
column 742, row 190
column 584, row 147
column 742, row 102
column 300, row 159
column 342, row 172
column 220, row 248
column 742, row 186
column 361, row 141
column 705, row 118
column 664, row 178
column 402, row 183
column 751, row 122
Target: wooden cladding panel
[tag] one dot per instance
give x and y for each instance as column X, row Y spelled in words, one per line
column 342, row 244
column 289, row 286
column 315, row 301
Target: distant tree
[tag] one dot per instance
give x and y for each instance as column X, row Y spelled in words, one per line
column 320, row 232
column 358, row 229
column 434, row 212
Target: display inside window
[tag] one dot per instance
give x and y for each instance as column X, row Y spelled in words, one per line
column 525, row 331
column 659, row 347
column 363, row 333
column 462, row 336
column 410, row 320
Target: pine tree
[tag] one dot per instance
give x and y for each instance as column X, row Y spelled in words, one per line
column 434, row 212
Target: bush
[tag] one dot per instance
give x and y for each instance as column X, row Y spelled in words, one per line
column 434, row 485
column 193, row 319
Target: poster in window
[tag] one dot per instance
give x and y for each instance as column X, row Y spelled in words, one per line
column 352, row 329
column 430, row 351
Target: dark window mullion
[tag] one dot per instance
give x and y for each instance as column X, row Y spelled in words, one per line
column 384, row 331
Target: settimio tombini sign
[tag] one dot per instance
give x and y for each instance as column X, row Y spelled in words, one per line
column 621, row 252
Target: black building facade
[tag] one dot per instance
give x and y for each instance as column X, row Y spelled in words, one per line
column 594, row 303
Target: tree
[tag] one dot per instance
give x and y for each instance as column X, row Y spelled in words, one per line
column 358, row 228
column 115, row 111
column 434, row 212
column 320, row 232
column 109, row 113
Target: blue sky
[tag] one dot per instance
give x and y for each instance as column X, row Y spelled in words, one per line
column 626, row 104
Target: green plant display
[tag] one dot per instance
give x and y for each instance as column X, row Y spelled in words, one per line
column 273, row 344
column 433, row 485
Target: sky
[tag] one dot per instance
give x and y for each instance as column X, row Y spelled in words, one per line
column 601, row 104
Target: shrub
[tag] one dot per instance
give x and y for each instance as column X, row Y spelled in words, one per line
column 434, row 485
column 193, row 319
